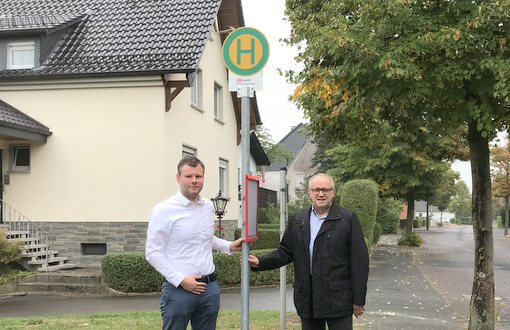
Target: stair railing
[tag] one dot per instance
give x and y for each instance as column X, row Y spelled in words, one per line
column 14, row 221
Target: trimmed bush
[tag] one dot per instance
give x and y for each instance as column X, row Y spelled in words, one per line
column 130, row 272
column 269, row 226
column 361, row 196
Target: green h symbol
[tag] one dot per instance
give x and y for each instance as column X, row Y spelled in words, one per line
column 248, row 51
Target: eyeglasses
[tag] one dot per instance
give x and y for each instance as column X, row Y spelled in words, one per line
column 325, row 191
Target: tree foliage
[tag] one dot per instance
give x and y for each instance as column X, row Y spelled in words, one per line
column 500, row 161
column 460, row 203
column 275, row 151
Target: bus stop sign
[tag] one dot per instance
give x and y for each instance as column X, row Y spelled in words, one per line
column 245, row 51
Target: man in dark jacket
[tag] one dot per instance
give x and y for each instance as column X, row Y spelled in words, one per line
column 330, row 256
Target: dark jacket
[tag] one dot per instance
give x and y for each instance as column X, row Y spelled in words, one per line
column 340, row 263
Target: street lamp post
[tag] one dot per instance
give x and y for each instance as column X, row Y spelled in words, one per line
column 220, row 203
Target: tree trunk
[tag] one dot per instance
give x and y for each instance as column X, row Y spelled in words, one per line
column 506, row 215
column 410, row 213
column 427, row 221
column 482, row 296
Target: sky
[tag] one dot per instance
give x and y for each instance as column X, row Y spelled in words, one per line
column 278, row 114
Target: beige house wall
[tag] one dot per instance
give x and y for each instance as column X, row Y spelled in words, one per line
column 114, row 148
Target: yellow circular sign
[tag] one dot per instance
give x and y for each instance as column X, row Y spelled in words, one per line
column 245, row 51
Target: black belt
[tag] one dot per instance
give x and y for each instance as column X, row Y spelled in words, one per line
column 204, row 279
column 207, row 278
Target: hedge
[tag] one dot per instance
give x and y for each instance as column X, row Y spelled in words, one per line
column 130, row 272
column 361, row 196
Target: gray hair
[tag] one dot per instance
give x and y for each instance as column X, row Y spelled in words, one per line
column 321, row 174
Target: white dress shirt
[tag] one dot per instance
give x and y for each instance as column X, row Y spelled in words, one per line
column 180, row 238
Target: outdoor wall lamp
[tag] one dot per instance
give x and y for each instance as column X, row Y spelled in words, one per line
column 220, row 203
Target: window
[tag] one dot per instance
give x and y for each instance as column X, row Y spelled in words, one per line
column 218, row 104
column 196, row 88
column 93, row 249
column 20, row 55
column 223, row 167
column 188, row 151
column 20, row 158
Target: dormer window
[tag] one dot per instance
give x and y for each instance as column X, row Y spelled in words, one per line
column 20, row 55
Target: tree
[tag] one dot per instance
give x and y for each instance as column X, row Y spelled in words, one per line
column 460, row 203
column 275, row 152
column 405, row 166
column 440, row 64
column 500, row 159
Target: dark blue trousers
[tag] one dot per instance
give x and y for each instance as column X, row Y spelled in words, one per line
column 179, row 307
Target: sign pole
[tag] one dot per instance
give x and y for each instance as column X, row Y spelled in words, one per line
column 245, row 53
column 283, row 270
column 245, row 166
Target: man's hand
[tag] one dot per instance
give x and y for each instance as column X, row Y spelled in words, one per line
column 358, row 310
column 253, row 261
column 190, row 284
column 236, row 245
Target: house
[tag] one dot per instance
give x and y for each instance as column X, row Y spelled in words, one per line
column 435, row 216
column 100, row 99
column 299, row 168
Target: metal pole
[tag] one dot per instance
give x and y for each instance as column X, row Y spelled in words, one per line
column 283, row 270
column 245, row 166
column 219, row 225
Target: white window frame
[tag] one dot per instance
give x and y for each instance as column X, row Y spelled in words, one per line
column 218, row 102
column 15, row 154
column 20, row 46
column 188, row 151
column 196, row 90
column 223, row 177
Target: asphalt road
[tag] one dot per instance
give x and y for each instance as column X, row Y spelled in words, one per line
column 409, row 288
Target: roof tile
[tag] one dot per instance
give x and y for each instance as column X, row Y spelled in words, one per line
column 113, row 36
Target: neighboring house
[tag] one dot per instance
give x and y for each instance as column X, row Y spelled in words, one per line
column 435, row 216
column 99, row 101
column 298, row 168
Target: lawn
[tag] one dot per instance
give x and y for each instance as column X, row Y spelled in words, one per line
column 264, row 320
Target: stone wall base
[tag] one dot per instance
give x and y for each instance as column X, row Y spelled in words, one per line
column 79, row 240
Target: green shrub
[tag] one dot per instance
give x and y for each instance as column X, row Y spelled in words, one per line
column 269, row 226
column 440, row 224
column 388, row 215
column 10, row 250
column 228, row 270
column 419, row 223
column 361, row 196
column 411, row 239
column 499, row 221
column 269, row 214
column 267, row 238
column 130, row 272
column 377, row 233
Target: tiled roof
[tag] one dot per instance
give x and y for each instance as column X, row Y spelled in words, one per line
column 294, row 141
column 13, row 118
column 113, row 36
column 47, row 23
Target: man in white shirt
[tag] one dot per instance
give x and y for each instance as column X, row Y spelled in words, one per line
column 180, row 239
